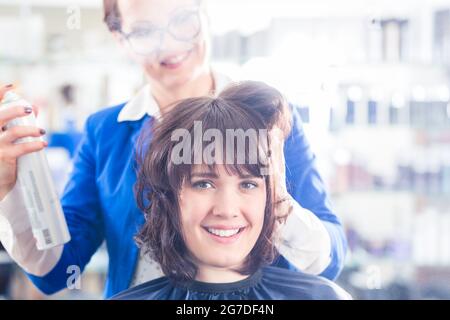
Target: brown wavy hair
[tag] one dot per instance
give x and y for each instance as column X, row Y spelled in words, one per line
column 246, row 105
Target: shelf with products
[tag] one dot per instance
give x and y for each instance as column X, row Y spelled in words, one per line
column 390, row 159
column 398, row 226
column 392, row 139
column 418, row 175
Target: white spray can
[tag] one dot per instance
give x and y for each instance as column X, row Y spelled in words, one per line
column 33, row 175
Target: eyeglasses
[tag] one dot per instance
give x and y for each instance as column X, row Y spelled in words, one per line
column 146, row 38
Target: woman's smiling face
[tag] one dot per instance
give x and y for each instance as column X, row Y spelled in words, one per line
column 222, row 216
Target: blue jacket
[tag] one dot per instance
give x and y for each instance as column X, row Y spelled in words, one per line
column 99, row 205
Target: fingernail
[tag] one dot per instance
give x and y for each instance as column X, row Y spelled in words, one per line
column 42, row 131
column 45, row 143
column 28, row 109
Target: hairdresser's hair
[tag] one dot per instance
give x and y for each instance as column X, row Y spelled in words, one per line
column 246, row 105
column 112, row 16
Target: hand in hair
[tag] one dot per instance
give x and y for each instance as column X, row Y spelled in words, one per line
column 283, row 200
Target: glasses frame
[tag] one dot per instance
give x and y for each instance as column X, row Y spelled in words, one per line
column 163, row 31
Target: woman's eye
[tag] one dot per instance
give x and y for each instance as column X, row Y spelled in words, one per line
column 202, row 185
column 143, row 30
column 249, row 185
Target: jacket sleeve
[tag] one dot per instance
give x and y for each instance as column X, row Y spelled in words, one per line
column 306, row 186
column 82, row 209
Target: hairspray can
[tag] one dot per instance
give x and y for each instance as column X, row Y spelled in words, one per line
column 33, row 175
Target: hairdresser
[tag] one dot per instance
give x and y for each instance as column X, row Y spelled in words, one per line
column 169, row 39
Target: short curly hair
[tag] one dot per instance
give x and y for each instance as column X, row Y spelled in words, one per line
column 247, row 105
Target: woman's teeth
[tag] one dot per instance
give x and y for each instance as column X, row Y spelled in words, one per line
column 176, row 59
column 223, row 233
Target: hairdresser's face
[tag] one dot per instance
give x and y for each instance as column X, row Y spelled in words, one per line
column 173, row 62
column 222, row 216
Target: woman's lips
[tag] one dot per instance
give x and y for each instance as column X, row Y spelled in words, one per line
column 175, row 61
column 224, row 237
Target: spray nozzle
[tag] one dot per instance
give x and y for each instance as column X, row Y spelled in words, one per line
column 10, row 96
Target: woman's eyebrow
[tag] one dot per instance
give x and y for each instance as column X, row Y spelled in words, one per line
column 204, row 175
column 249, row 176
column 213, row 175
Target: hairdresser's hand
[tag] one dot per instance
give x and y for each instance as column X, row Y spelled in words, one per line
column 283, row 200
column 9, row 152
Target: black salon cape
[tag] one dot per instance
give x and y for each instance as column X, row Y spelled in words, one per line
column 269, row 283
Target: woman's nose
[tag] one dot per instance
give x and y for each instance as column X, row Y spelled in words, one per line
column 169, row 45
column 227, row 205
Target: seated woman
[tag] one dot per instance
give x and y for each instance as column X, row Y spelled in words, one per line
column 205, row 186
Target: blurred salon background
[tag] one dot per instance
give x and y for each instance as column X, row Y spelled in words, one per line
column 372, row 79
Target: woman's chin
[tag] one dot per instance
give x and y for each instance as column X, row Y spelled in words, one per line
column 226, row 261
column 177, row 81
column 179, row 78
column 178, row 75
